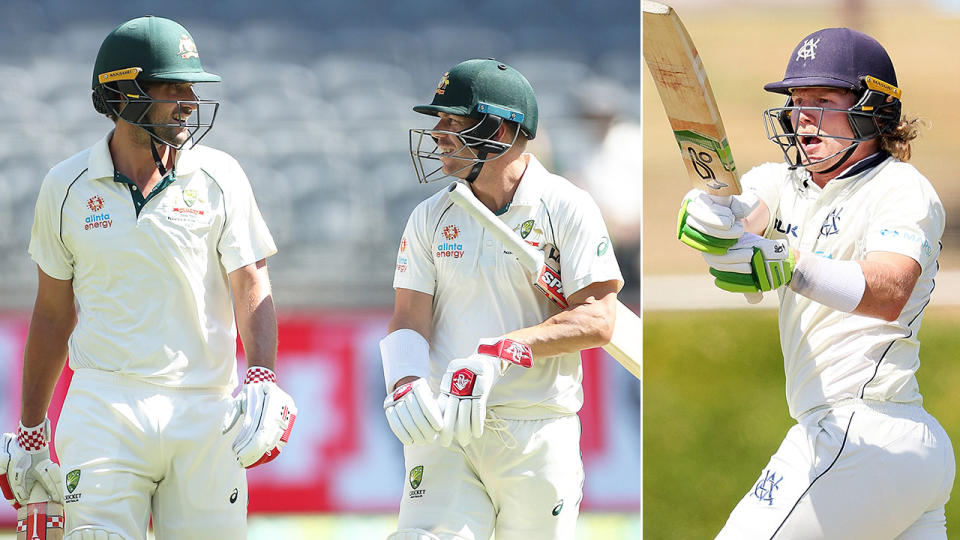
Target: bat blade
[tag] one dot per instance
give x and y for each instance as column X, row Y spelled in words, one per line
column 687, row 98
column 626, row 344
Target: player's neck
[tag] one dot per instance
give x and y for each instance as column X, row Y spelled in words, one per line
column 495, row 186
column 133, row 158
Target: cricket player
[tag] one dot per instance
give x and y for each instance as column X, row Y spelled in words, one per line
column 482, row 371
column 160, row 244
column 848, row 233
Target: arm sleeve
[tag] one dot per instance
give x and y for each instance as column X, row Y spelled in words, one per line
column 765, row 181
column 46, row 243
column 415, row 268
column 908, row 219
column 245, row 238
column 586, row 252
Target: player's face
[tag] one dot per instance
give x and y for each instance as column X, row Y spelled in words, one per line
column 451, row 145
column 817, row 128
column 174, row 115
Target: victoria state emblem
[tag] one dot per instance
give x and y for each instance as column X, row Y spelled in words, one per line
column 73, row 478
column 416, row 476
column 189, row 196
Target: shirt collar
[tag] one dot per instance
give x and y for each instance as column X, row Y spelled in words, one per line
column 100, row 163
column 532, row 183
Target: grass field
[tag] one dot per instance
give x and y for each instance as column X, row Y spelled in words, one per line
column 714, row 410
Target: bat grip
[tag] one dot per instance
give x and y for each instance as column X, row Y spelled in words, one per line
column 753, row 297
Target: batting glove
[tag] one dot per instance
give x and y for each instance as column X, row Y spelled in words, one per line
column 413, row 413
column 753, row 264
column 466, row 387
column 25, row 462
column 712, row 224
column 268, row 414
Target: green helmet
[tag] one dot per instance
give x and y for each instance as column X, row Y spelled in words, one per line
column 487, row 90
column 148, row 49
column 477, row 87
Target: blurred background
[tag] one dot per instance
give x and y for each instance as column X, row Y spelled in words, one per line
column 315, row 104
column 714, row 408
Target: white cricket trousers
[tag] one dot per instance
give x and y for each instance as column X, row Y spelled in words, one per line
column 525, row 482
column 862, row 470
column 128, row 448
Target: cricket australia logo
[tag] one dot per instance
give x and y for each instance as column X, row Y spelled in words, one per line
column 765, row 488
column 188, row 49
column 73, row 479
column 416, row 477
column 444, row 81
column 525, row 228
column 189, row 197
column 808, row 49
column 831, row 225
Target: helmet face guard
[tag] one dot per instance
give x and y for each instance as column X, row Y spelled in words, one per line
column 875, row 113
column 476, row 147
column 126, row 99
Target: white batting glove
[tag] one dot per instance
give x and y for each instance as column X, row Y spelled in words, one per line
column 712, row 224
column 25, row 461
column 413, row 413
column 466, row 387
column 268, row 414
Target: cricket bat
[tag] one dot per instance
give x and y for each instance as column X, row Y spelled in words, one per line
column 687, row 98
column 40, row 519
column 626, row 343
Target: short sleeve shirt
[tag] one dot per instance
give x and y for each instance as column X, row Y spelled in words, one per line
column 152, row 288
column 480, row 290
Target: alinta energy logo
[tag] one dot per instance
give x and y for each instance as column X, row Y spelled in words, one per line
column 97, row 220
column 450, row 249
column 401, row 258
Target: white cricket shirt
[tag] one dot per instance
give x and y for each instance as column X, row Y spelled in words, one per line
column 153, row 295
column 479, row 290
column 829, row 355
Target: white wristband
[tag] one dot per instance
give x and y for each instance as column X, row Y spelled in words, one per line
column 404, row 353
column 836, row 284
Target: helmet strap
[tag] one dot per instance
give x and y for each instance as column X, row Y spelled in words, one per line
column 156, row 158
column 475, row 170
column 838, row 164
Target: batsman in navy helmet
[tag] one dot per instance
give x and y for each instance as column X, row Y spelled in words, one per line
column 848, row 234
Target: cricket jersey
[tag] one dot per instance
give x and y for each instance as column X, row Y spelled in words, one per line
column 150, row 271
column 480, row 290
column 829, row 355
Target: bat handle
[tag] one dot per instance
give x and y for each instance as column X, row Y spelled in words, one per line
column 753, row 297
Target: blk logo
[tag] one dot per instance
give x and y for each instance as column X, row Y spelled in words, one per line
column 787, row 229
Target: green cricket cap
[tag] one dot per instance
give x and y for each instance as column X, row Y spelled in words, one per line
column 162, row 49
column 485, row 86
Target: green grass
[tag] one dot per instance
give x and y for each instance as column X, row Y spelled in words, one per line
column 714, row 410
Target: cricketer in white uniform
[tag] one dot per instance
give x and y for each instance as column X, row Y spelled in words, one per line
column 159, row 281
column 499, row 449
column 851, row 236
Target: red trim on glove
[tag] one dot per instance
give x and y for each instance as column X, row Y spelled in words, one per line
column 509, row 350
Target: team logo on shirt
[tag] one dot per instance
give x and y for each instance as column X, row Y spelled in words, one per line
column 528, row 230
column 831, row 224
column 765, row 488
column 97, row 220
column 189, row 197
